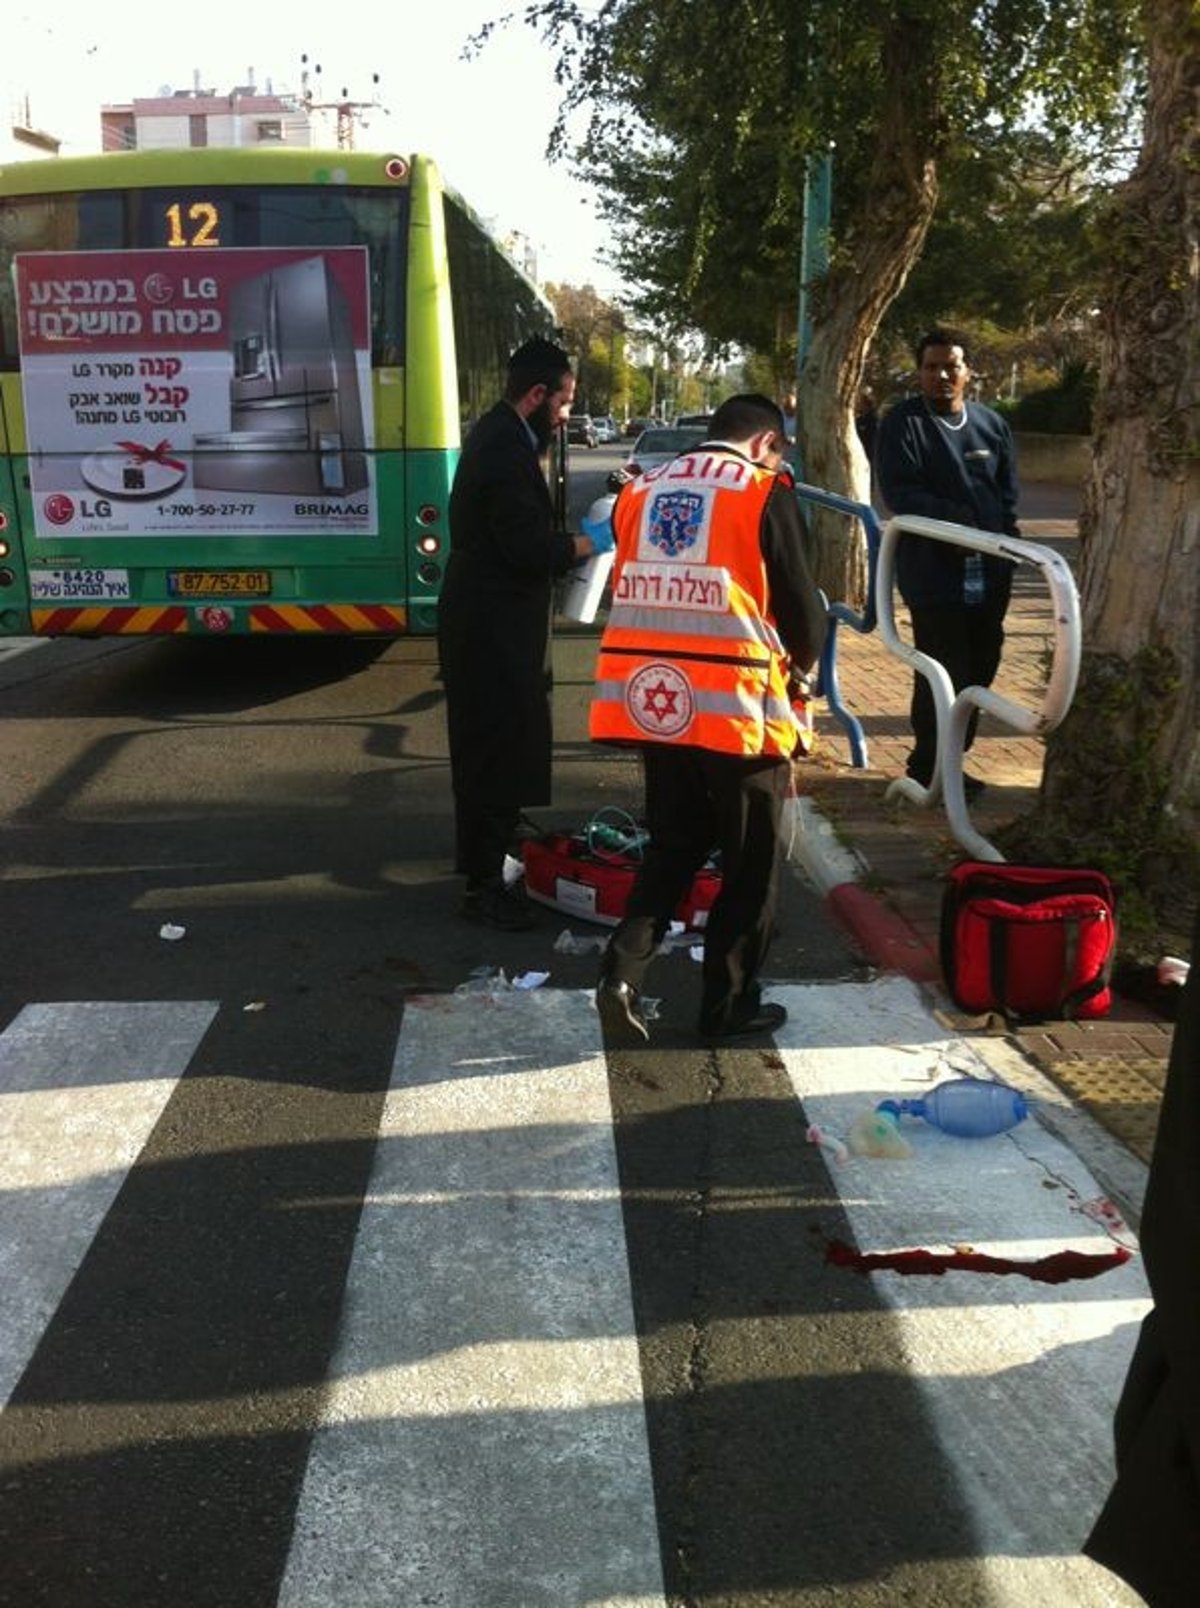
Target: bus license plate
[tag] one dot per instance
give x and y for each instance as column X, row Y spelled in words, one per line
column 218, row 583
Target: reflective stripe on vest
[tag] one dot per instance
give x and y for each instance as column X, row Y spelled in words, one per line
column 655, row 700
column 719, row 627
column 690, row 654
column 730, row 705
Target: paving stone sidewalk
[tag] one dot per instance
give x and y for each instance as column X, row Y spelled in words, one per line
column 1114, row 1067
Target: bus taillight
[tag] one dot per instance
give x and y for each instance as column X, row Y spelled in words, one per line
column 395, row 168
column 429, row 573
column 427, row 513
column 429, row 544
column 6, row 577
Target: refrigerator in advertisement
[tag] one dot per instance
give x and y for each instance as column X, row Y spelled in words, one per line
column 296, row 417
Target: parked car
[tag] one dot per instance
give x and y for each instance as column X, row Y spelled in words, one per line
column 633, row 428
column 606, row 429
column 581, row 432
column 659, row 445
column 703, row 420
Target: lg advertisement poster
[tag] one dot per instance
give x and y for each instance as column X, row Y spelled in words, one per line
column 218, row 393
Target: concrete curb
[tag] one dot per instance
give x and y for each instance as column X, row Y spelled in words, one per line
column 885, row 937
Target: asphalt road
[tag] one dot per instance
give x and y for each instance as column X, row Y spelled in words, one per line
column 173, row 1430
column 286, row 804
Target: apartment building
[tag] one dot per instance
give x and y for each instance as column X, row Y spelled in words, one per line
column 181, row 118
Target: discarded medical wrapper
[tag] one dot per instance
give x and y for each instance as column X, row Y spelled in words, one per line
column 490, row 981
column 817, row 1135
column 877, row 1133
column 1173, row 970
column 568, row 943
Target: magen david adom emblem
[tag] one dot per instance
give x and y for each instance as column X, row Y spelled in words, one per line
column 674, row 523
column 659, row 700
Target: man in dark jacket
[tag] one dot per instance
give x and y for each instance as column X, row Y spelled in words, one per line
column 494, row 624
column 1149, row 1529
column 940, row 456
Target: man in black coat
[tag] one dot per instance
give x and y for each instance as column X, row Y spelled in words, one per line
column 1149, row 1529
column 941, row 456
column 494, row 624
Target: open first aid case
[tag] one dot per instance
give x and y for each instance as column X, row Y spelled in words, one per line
column 593, row 883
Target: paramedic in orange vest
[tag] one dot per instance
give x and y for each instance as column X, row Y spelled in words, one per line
column 713, row 609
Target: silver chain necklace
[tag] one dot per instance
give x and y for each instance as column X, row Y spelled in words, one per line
column 941, row 419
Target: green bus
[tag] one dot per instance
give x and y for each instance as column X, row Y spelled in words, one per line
column 233, row 385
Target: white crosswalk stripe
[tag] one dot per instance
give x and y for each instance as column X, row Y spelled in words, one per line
column 81, row 1086
column 489, row 1337
column 1021, row 1376
column 480, row 1439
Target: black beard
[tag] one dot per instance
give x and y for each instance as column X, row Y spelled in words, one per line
column 542, row 425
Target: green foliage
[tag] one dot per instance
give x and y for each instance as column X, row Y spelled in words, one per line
column 1014, row 243
column 594, row 332
column 702, row 113
column 1063, row 409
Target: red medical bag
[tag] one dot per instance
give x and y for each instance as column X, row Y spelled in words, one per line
column 1036, row 942
column 566, row 873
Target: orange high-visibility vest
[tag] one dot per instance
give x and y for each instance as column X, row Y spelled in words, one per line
column 691, row 654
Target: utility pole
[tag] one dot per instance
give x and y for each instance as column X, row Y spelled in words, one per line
column 815, row 217
column 814, row 261
column 814, row 245
column 616, row 326
column 347, row 111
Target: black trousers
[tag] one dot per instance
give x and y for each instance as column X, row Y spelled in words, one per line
column 968, row 641
column 696, row 802
column 483, row 834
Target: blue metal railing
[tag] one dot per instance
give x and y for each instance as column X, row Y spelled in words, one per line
column 843, row 614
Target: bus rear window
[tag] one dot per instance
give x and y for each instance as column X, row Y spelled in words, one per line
column 194, row 218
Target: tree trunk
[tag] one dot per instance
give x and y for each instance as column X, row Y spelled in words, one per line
column 868, row 273
column 1122, row 778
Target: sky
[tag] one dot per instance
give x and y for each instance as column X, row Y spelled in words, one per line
column 484, row 121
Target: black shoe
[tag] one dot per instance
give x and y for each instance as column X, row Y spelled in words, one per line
column 506, row 909
column 763, row 1019
column 621, row 1016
